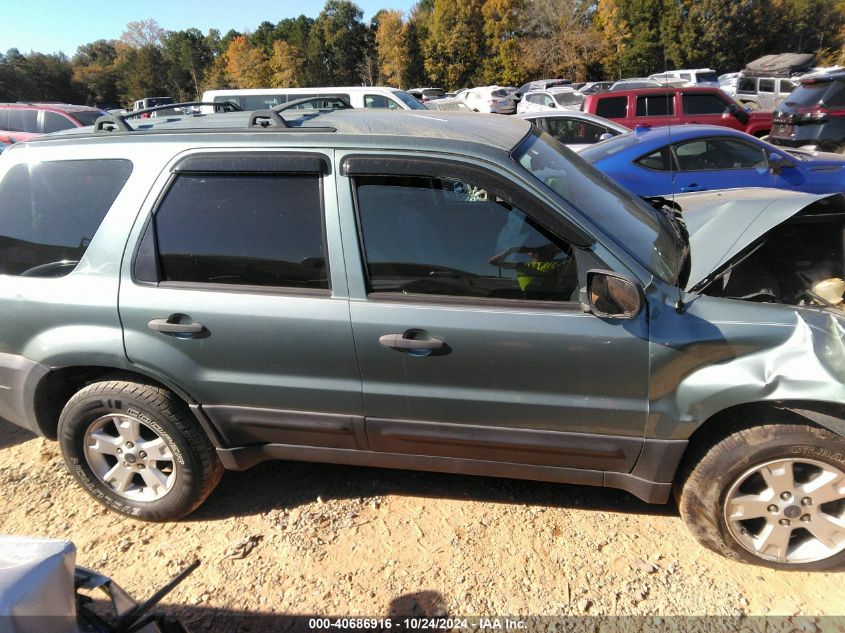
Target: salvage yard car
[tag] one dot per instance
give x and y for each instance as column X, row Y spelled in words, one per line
column 665, row 160
column 425, row 290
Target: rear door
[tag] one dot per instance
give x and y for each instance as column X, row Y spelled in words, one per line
column 231, row 296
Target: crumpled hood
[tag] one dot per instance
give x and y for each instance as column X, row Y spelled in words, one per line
column 722, row 223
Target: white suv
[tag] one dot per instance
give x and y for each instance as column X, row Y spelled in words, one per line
column 694, row 76
column 491, row 99
column 560, row 98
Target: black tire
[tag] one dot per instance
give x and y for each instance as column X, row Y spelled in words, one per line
column 191, row 465
column 711, row 474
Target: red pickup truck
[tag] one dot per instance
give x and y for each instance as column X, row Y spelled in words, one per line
column 676, row 106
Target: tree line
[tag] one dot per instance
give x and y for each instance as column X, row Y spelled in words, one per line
column 447, row 43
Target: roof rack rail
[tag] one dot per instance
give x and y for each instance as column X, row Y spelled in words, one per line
column 266, row 118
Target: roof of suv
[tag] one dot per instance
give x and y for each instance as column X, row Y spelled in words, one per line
column 350, row 127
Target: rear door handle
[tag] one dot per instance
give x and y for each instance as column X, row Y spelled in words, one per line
column 402, row 343
column 176, row 324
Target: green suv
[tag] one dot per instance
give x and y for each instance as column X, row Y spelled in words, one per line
column 445, row 292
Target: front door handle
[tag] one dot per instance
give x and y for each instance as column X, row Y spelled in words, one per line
column 416, row 346
column 176, row 324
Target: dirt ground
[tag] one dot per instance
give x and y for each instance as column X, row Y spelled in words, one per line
column 325, row 540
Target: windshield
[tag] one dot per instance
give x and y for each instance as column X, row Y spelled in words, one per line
column 634, row 225
column 568, row 98
column 408, row 100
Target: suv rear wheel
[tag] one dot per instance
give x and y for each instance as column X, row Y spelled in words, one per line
column 136, row 449
column 771, row 495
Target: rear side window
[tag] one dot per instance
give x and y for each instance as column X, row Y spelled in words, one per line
column 252, row 230
column 656, row 105
column 703, row 104
column 767, row 85
column 612, row 107
column 49, row 213
column 21, row 120
column 55, row 122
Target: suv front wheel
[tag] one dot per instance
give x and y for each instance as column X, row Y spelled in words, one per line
column 137, row 449
column 771, row 495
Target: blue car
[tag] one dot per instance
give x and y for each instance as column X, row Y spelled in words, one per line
column 662, row 161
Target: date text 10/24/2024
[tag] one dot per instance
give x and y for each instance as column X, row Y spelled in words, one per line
column 417, row 624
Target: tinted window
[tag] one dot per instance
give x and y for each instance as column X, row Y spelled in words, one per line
column 747, row 85
column 264, row 102
column 54, row 122
column 380, row 101
column 661, row 160
column 704, row 77
column 703, row 104
column 786, row 86
column 719, row 153
column 656, row 105
column 818, row 93
column 767, row 85
column 50, row 211
column 446, row 237
column 568, row 98
column 570, row 131
column 21, row 120
column 255, row 230
column 612, row 107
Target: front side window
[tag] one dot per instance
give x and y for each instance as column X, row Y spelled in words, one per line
column 704, row 104
column 50, row 211
column 767, row 85
column 747, row 85
column 251, row 230
column 440, row 236
column 612, row 107
column 718, row 153
column 786, row 86
column 380, row 101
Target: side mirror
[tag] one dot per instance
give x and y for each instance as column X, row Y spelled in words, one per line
column 734, row 109
column 777, row 163
column 611, row 296
column 605, row 136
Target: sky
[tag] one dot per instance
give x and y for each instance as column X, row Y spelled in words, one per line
column 52, row 26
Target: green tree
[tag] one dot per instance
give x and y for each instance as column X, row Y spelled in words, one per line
column 456, row 43
column 94, row 70
column 336, row 44
column 141, row 72
column 189, row 55
column 503, row 61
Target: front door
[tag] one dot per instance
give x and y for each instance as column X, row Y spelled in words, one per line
column 471, row 339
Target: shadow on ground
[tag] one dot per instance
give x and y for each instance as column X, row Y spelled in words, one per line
column 280, row 485
column 12, row 435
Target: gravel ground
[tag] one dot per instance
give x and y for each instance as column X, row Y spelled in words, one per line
column 288, row 541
